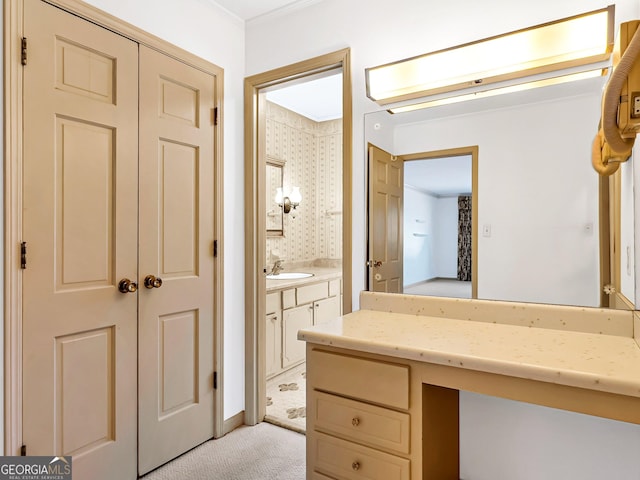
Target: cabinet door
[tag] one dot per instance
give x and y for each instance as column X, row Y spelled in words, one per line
column 326, row 310
column 274, row 343
column 294, row 319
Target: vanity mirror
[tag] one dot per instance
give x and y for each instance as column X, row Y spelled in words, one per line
column 274, row 176
column 538, row 204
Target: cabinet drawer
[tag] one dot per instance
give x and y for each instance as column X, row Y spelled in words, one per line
column 319, row 476
column 311, row 293
column 375, row 426
column 370, row 380
column 289, row 298
column 334, row 287
column 347, row 460
column 273, row 302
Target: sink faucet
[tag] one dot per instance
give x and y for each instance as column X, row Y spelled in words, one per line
column 277, row 268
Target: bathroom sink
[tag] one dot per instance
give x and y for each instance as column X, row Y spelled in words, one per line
column 289, row 276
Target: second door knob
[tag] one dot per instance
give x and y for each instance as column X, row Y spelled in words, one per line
column 151, row 281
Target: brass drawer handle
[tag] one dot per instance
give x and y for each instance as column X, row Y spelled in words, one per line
column 355, row 466
column 355, row 421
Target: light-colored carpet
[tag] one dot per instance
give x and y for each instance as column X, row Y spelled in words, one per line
column 262, row 452
column 441, row 287
column 286, row 394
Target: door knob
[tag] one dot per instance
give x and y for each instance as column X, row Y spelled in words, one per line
column 151, row 281
column 127, row 286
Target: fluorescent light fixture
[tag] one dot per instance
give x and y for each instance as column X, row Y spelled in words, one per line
column 502, row 90
column 570, row 42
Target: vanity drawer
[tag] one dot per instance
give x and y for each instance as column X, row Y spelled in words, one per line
column 311, row 293
column 376, row 382
column 334, row 287
column 289, row 298
column 273, row 302
column 375, row 426
column 319, row 476
column 347, row 460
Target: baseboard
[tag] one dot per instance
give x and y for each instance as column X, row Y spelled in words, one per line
column 230, row 424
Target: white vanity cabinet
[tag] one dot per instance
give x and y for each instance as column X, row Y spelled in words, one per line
column 273, row 333
column 292, row 309
column 294, row 319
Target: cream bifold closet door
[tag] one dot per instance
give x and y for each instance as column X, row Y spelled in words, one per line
column 117, row 187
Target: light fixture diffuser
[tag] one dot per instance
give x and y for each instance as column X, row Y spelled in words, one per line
column 571, row 42
column 501, row 90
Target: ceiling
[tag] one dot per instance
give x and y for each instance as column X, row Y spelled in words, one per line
column 440, row 177
column 250, row 9
column 319, row 99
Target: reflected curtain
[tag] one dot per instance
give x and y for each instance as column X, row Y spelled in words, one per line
column 464, row 238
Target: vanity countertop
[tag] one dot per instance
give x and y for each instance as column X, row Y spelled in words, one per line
column 319, row 274
column 608, row 363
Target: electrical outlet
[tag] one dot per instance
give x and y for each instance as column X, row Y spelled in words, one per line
column 635, row 111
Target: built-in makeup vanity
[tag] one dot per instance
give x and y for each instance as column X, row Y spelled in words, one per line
column 383, row 382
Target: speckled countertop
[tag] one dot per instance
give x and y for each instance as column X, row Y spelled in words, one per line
column 319, row 274
column 608, row 363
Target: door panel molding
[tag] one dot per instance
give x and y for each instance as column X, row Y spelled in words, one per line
column 13, row 145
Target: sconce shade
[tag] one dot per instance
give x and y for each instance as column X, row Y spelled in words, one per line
column 290, row 201
column 568, row 43
column 295, row 196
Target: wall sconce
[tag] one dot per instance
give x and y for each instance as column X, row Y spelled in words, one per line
column 289, row 202
column 514, row 57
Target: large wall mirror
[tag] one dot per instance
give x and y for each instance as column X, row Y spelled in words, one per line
column 538, row 203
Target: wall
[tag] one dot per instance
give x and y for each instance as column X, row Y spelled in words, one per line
column 313, row 155
column 379, row 34
column 418, row 251
column 540, row 249
column 213, row 34
column 435, row 255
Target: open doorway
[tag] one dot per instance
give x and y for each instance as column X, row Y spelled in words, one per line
column 303, row 247
column 437, row 226
column 423, row 222
column 297, row 224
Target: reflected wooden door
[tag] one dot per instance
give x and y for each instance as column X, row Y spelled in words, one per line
column 80, row 222
column 386, row 184
column 176, row 398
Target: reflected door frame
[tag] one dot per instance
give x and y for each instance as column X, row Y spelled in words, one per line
column 455, row 152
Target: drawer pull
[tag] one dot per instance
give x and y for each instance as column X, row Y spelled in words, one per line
column 355, row 421
column 355, row 466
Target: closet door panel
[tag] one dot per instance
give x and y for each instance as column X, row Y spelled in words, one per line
column 80, row 219
column 176, row 398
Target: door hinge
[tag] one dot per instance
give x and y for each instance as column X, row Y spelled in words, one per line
column 215, row 380
column 215, row 116
column 23, row 255
column 24, row 50
column 23, row 451
column 215, row 248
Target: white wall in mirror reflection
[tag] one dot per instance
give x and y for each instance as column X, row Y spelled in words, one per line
column 537, row 190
